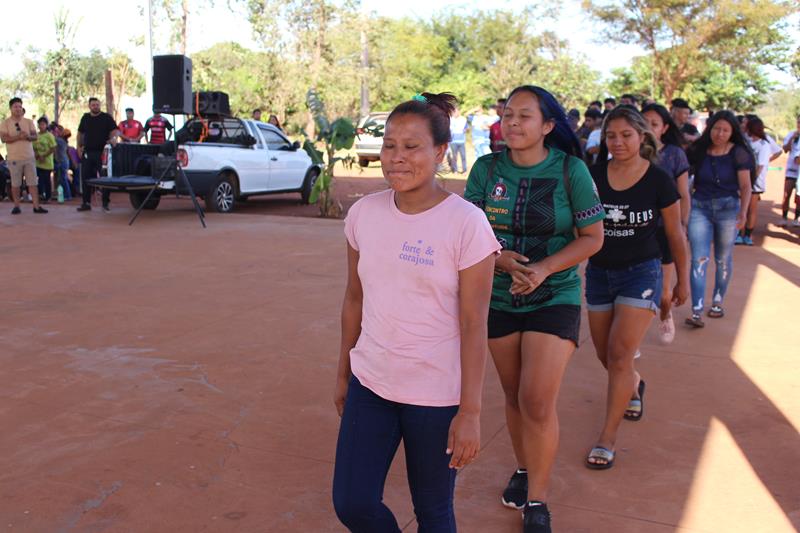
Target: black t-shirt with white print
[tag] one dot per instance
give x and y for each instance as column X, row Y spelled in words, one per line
column 632, row 217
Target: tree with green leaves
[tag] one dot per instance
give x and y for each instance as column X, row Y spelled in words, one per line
column 683, row 36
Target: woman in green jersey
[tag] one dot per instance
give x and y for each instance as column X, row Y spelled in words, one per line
column 540, row 200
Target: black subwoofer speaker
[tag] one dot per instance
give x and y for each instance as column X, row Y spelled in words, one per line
column 172, row 84
column 212, row 103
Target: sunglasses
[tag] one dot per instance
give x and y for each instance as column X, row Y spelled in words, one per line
column 17, row 125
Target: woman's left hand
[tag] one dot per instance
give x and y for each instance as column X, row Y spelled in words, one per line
column 464, row 439
column 537, row 274
column 680, row 294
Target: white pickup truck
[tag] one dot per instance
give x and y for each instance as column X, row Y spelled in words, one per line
column 226, row 160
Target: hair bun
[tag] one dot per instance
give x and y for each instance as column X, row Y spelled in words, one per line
column 445, row 101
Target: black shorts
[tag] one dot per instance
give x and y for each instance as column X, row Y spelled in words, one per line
column 563, row 321
column 663, row 243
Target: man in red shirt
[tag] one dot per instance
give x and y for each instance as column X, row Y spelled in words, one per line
column 130, row 130
column 496, row 140
column 158, row 126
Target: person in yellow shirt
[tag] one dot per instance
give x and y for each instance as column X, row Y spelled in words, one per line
column 19, row 133
column 44, row 147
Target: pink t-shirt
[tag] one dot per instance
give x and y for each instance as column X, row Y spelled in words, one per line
column 409, row 350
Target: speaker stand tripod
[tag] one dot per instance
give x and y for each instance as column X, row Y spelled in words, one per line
column 179, row 174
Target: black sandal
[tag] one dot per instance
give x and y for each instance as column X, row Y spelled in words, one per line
column 695, row 321
column 604, row 454
column 632, row 415
column 716, row 311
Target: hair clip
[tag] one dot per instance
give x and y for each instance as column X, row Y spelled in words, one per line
column 419, row 98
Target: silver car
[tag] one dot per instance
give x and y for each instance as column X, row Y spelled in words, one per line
column 368, row 147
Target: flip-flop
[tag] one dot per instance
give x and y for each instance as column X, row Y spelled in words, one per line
column 716, row 311
column 635, row 416
column 598, row 452
column 695, row 321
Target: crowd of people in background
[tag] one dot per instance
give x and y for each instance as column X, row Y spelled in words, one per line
column 41, row 165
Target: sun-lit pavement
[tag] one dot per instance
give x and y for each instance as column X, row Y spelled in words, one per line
column 165, row 378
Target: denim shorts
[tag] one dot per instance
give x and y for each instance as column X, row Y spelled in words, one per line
column 637, row 285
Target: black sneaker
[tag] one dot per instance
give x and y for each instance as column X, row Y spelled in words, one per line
column 106, row 208
column 16, row 211
column 39, row 210
column 84, row 207
column 516, row 494
column 536, row 518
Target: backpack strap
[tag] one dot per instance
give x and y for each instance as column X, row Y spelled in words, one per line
column 567, row 183
column 495, row 157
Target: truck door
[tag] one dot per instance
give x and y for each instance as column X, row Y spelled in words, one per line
column 287, row 165
column 252, row 163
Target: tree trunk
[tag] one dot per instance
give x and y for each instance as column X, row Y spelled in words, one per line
column 110, row 95
column 57, row 108
column 364, row 73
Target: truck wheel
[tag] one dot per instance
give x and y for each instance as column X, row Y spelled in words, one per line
column 363, row 162
column 221, row 197
column 308, row 184
column 137, row 197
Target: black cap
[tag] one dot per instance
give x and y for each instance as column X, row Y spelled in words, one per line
column 129, row 109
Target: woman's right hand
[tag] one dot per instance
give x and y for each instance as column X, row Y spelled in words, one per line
column 340, row 393
column 741, row 219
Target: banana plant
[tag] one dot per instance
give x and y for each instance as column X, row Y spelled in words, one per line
column 335, row 136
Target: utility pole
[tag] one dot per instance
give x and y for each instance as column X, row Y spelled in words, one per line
column 148, row 74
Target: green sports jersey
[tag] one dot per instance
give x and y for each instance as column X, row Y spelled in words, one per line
column 530, row 213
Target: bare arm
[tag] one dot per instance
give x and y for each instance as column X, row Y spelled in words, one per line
column 475, row 293
column 351, row 326
column 686, row 199
column 676, row 237
column 745, row 191
column 787, row 142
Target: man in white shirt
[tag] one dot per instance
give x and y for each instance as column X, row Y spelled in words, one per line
column 458, row 140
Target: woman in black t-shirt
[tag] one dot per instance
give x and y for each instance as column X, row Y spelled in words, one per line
column 624, row 279
column 671, row 158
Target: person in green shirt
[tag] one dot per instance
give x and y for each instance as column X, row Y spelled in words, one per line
column 541, row 202
column 44, row 147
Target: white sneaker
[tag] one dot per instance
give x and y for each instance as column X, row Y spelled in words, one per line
column 638, row 354
column 666, row 330
column 796, row 223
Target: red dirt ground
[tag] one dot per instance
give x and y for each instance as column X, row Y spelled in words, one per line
column 166, row 378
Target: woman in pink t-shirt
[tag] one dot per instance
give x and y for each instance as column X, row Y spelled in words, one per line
column 411, row 367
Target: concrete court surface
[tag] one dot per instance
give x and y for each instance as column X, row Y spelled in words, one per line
column 165, row 378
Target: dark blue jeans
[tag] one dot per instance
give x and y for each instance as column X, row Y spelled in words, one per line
column 370, row 432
